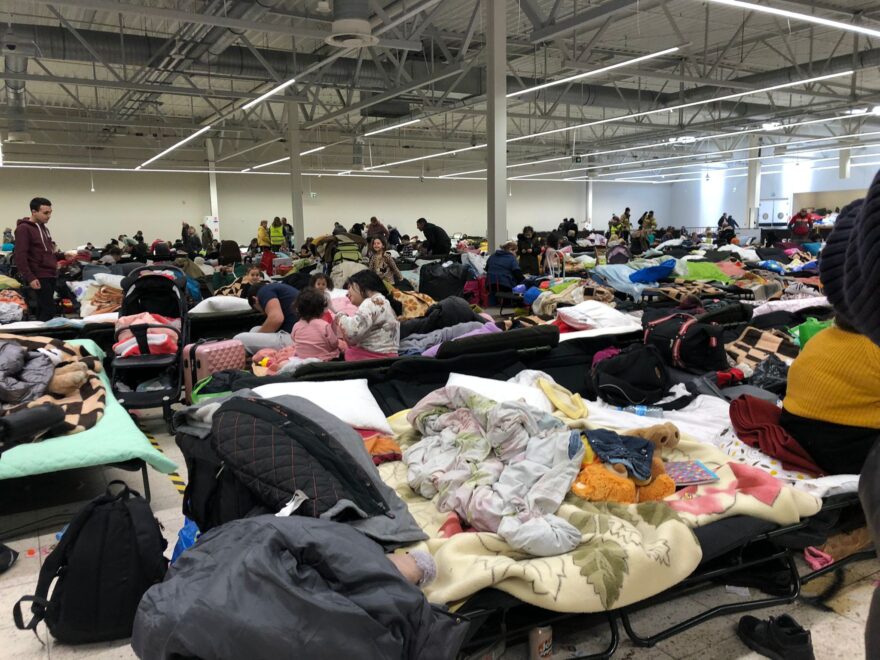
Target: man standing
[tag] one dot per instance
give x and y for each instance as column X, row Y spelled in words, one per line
column 436, row 239
column 34, row 257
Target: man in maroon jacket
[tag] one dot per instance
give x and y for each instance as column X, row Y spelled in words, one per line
column 35, row 258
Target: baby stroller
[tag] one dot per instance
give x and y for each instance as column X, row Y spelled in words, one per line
column 159, row 290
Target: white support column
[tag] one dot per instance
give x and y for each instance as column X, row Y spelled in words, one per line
column 212, row 179
column 296, row 187
column 753, row 184
column 496, row 121
column 590, row 202
column 845, row 165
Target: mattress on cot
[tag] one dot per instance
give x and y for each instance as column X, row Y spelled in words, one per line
column 114, row 439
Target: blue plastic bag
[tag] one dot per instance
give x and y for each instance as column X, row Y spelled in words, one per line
column 186, row 538
column 771, row 265
column 653, row 274
column 193, row 289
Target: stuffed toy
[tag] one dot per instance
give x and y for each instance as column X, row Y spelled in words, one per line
column 602, row 482
column 68, row 378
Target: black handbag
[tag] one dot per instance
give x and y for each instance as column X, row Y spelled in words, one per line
column 686, row 343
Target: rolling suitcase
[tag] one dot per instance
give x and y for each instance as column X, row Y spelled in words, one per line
column 206, row 357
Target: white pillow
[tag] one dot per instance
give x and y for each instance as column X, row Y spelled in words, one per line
column 221, row 304
column 594, row 314
column 106, row 279
column 109, row 317
column 499, row 390
column 349, row 400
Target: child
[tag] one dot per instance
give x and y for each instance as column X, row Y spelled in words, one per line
column 374, row 332
column 312, row 335
column 322, row 283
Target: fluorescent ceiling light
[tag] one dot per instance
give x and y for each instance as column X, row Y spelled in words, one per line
column 272, row 92
column 848, row 27
column 1, row 154
column 876, row 110
column 175, row 146
column 391, row 128
column 771, row 125
column 271, row 162
column 312, row 151
column 681, row 106
column 587, row 74
column 428, row 157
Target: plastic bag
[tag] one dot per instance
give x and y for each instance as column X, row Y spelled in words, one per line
column 808, row 329
column 771, row 375
column 186, row 538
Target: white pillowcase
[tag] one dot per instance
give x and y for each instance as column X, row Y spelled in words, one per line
column 594, row 314
column 221, row 304
column 499, row 390
column 106, row 279
column 349, row 400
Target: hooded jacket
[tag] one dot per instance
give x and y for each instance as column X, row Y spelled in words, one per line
column 503, row 270
column 34, row 257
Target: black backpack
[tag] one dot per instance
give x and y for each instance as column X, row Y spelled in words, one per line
column 110, row 554
column 686, row 343
column 637, row 376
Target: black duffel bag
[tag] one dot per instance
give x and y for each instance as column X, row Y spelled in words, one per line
column 637, row 376
column 686, row 343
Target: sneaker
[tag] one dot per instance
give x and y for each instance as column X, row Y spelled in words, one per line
column 780, row 638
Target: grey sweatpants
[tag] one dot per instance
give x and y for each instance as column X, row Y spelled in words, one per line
column 254, row 340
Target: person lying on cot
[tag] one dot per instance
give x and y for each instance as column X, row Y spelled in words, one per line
column 374, row 331
column 276, row 301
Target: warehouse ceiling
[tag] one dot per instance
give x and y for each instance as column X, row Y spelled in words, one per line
column 673, row 85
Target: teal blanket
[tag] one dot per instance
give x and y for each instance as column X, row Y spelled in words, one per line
column 115, row 439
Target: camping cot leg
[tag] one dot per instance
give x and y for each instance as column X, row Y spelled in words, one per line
column 612, row 645
column 732, row 608
column 146, row 478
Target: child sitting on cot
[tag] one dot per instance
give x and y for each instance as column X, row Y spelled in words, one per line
column 312, row 335
column 374, row 331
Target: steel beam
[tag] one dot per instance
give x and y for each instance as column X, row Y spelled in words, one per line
column 496, row 121
column 295, row 162
column 559, row 28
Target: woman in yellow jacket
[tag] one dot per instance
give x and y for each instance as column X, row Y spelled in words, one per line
column 263, row 241
column 276, row 234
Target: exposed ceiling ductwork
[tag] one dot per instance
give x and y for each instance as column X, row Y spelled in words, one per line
column 351, row 27
column 16, row 53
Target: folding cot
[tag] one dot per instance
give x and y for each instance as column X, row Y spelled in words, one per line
column 114, row 441
column 731, row 547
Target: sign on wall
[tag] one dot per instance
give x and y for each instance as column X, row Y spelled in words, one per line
column 213, row 223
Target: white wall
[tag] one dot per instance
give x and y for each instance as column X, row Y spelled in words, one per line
column 613, row 198
column 457, row 206
column 701, row 203
column 121, row 204
column 157, row 203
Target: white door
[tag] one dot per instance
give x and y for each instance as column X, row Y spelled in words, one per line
column 774, row 212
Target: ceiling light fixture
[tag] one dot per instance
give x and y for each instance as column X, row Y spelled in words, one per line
column 272, row 92
column 428, row 157
column 808, row 18
column 271, row 162
column 175, row 146
column 1, row 153
column 597, row 72
column 681, row 106
column 312, row 151
column 392, row 127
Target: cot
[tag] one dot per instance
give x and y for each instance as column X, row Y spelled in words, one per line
column 114, row 441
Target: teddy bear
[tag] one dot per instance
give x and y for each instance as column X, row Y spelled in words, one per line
column 68, row 378
column 602, row 482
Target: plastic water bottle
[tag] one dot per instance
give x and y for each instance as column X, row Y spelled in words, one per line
column 643, row 411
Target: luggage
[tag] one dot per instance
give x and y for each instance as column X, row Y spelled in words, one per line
column 637, row 375
column 686, row 343
column 110, row 554
column 439, row 281
column 206, row 357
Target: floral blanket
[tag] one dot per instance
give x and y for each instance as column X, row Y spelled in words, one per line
column 627, row 553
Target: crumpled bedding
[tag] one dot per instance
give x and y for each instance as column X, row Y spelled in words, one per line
column 502, row 467
column 24, row 374
column 485, row 329
column 617, row 277
column 418, row 344
column 445, row 313
column 570, row 293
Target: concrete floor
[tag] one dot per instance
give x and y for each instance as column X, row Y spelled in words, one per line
column 836, row 634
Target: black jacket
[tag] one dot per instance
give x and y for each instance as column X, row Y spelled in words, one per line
column 436, row 239
column 290, row 587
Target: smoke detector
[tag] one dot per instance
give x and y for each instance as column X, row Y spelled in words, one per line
column 351, row 25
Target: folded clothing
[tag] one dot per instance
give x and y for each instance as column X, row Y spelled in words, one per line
column 756, row 423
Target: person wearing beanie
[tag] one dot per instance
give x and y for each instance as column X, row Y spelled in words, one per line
column 850, row 275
